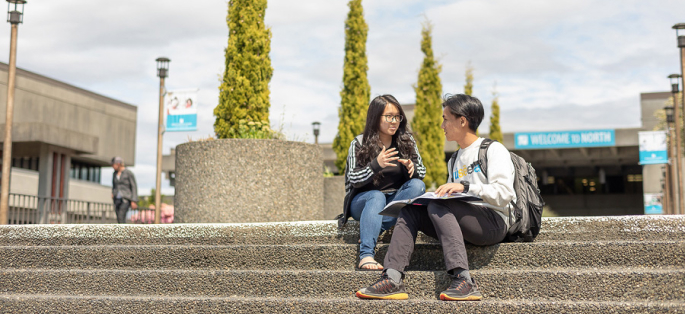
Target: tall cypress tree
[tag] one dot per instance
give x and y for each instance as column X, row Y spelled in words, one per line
column 428, row 113
column 495, row 130
column 468, row 87
column 244, row 90
column 356, row 90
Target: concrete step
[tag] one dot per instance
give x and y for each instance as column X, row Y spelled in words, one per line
column 342, row 256
column 637, row 284
column 154, row 304
column 321, row 232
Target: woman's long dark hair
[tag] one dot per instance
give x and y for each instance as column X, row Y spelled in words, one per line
column 371, row 143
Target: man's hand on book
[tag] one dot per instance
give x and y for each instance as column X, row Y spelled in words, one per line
column 409, row 165
column 386, row 157
column 449, row 188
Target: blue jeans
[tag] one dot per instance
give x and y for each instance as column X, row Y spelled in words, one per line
column 366, row 206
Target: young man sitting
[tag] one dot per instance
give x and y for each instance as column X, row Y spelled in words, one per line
column 452, row 221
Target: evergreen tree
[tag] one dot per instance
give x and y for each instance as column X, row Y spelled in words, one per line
column 356, row 90
column 468, row 87
column 428, row 113
column 244, row 90
column 495, row 130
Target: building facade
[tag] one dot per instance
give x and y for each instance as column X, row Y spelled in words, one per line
column 62, row 136
column 599, row 175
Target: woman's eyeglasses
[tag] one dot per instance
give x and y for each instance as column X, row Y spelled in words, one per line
column 391, row 118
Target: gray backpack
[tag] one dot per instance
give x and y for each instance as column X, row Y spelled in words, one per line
column 528, row 206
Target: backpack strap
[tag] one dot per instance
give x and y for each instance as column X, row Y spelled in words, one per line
column 450, row 164
column 482, row 155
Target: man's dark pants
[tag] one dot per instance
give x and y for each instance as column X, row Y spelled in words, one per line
column 451, row 222
column 121, row 207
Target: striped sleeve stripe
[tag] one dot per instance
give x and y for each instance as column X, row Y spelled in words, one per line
column 362, row 176
column 420, row 168
column 359, row 175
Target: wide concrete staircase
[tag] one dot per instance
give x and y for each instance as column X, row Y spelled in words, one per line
column 577, row 265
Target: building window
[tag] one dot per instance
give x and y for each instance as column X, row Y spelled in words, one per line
column 28, row 163
column 85, row 171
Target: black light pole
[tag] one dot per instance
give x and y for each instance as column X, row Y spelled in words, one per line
column 316, row 126
column 15, row 16
column 162, row 72
column 680, row 27
column 670, row 186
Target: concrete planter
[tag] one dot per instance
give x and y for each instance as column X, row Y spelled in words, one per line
column 244, row 180
column 333, row 196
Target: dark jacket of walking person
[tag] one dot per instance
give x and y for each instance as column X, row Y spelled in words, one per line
column 383, row 164
column 451, row 221
column 124, row 189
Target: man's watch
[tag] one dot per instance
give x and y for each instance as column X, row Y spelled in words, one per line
column 466, row 186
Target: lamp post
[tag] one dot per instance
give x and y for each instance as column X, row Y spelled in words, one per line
column 680, row 27
column 15, row 16
column 316, row 126
column 671, row 185
column 676, row 153
column 162, row 72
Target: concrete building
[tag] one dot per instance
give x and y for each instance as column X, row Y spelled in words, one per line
column 594, row 179
column 62, row 136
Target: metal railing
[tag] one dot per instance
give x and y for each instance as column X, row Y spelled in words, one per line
column 32, row 209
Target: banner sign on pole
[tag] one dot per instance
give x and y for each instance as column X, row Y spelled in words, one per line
column 653, row 148
column 653, row 204
column 564, row 139
column 181, row 110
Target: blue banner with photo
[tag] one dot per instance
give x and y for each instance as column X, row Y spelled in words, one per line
column 653, row 147
column 564, row 139
column 653, row 203
column 181, row 110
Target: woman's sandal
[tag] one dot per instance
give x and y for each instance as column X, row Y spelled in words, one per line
column 361, row 267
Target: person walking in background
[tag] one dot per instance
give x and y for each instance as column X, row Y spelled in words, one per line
column 124, row 189
column 383, row 164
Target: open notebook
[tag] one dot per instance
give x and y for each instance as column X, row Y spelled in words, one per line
column 393, row 208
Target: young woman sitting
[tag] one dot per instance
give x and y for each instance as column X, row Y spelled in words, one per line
column 383, row 164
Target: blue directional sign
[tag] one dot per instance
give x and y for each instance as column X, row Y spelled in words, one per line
column 564, row 139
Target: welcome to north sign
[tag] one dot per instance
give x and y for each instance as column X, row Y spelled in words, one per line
column 564, row 139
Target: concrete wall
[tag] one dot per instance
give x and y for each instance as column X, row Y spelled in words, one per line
column 241, row 180
column 89, row 191
column 595, row 205
column 651, row 102
column 26, row 182
column 333, row 196
column 49, row 111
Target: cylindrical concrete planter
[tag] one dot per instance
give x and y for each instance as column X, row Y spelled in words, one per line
column 333, row 196
column 245, row 180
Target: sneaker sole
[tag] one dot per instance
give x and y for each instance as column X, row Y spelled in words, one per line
column 396, row 296
column 445, row 297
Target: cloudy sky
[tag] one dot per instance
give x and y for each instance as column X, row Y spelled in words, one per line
column 558, row 65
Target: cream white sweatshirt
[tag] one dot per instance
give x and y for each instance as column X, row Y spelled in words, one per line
column 497, row 190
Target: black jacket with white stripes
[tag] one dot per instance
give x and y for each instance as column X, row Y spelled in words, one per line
column 357, row 175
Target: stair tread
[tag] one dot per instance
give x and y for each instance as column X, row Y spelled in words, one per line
column 552, row 284
column 316, row 300
column 577, row 270
column 553, row 229
column 295, row 245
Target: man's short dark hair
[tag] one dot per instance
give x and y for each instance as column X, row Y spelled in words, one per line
column 465, row 106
